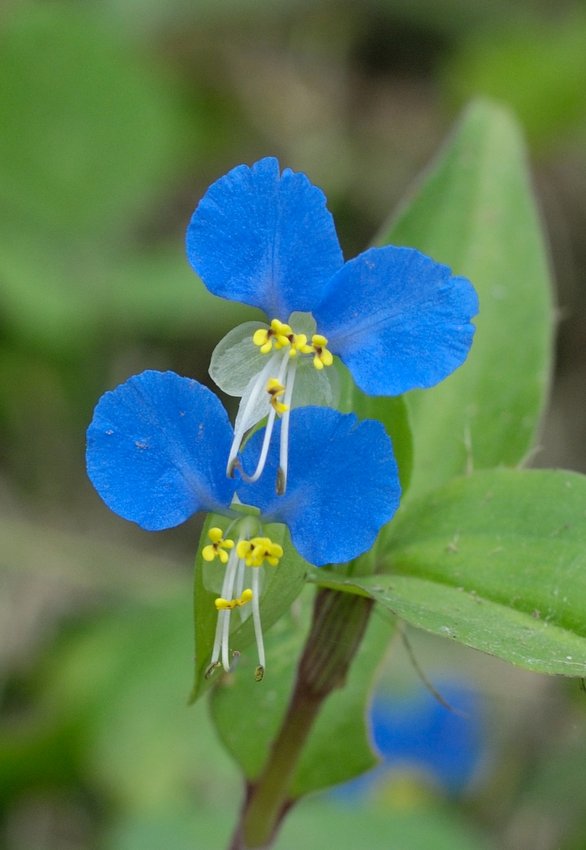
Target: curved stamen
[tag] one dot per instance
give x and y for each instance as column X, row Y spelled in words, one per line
column 223, row 623
column 242, row 427
column 239, row 584
column 254, row 552
column 224, row 615
column 286, row 364
column 260, row 670
column 284, row 445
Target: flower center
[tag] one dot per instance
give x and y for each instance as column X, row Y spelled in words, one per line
column 285, row 347
column 280, row 335
column 249, row 552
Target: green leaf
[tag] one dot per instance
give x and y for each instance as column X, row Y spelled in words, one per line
column 475, row 212
column 248, row 715
column 282, row 587
column 496, row 561
column 392, row 412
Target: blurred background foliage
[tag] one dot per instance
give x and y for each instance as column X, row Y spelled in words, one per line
column 114, row 117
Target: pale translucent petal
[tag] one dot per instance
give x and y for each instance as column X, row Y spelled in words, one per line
column 246, row 419
column 302, row 323
column 313, row 387
column 236, row 359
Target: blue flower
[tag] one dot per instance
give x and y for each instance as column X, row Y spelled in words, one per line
column 156, row 452
column 395, row 317
column 415, row 734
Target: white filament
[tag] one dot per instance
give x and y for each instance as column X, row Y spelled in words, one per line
column 241, row 428
column 221, row 641
column 256, row 616
column 284, row 445
column 282, row 378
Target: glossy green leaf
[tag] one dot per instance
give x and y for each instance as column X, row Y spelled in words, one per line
column 475, row 212
column 248, row 715
column 496, row 561
column 282, row 587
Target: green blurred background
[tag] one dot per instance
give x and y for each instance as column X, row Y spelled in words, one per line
column 115, row 115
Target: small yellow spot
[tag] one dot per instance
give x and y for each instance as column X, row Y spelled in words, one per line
column 229, row 604
column 217, row 548
column 322, row 356
column 275, row 390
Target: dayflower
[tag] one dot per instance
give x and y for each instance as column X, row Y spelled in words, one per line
column 156, row 454
column 394, row 316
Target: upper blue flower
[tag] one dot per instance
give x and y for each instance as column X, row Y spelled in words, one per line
column 156, row 451
column 395, row 317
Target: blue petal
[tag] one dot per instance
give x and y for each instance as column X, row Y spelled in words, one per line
column 398, row 320
column 157, row 449
column 264, row 238
column 342, row 484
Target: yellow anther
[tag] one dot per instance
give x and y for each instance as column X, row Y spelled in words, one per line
column 246, row 549
column 299, row 345
column 265, row 550
column 229, row 604
column 322, row 356
column 217, row 548
column 275, row 390
column 256, row 551
column 263, row 338
column 243, row 549
column 278, row 334
column 283, row 334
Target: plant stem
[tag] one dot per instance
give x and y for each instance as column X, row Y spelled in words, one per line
column 338, row 625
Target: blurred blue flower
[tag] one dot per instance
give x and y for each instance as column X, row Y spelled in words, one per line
column 444, row 741
column 395, row 317
column 415, row 732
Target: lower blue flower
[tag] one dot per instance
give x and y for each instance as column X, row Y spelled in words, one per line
column 156, row 454
column 415, row 735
